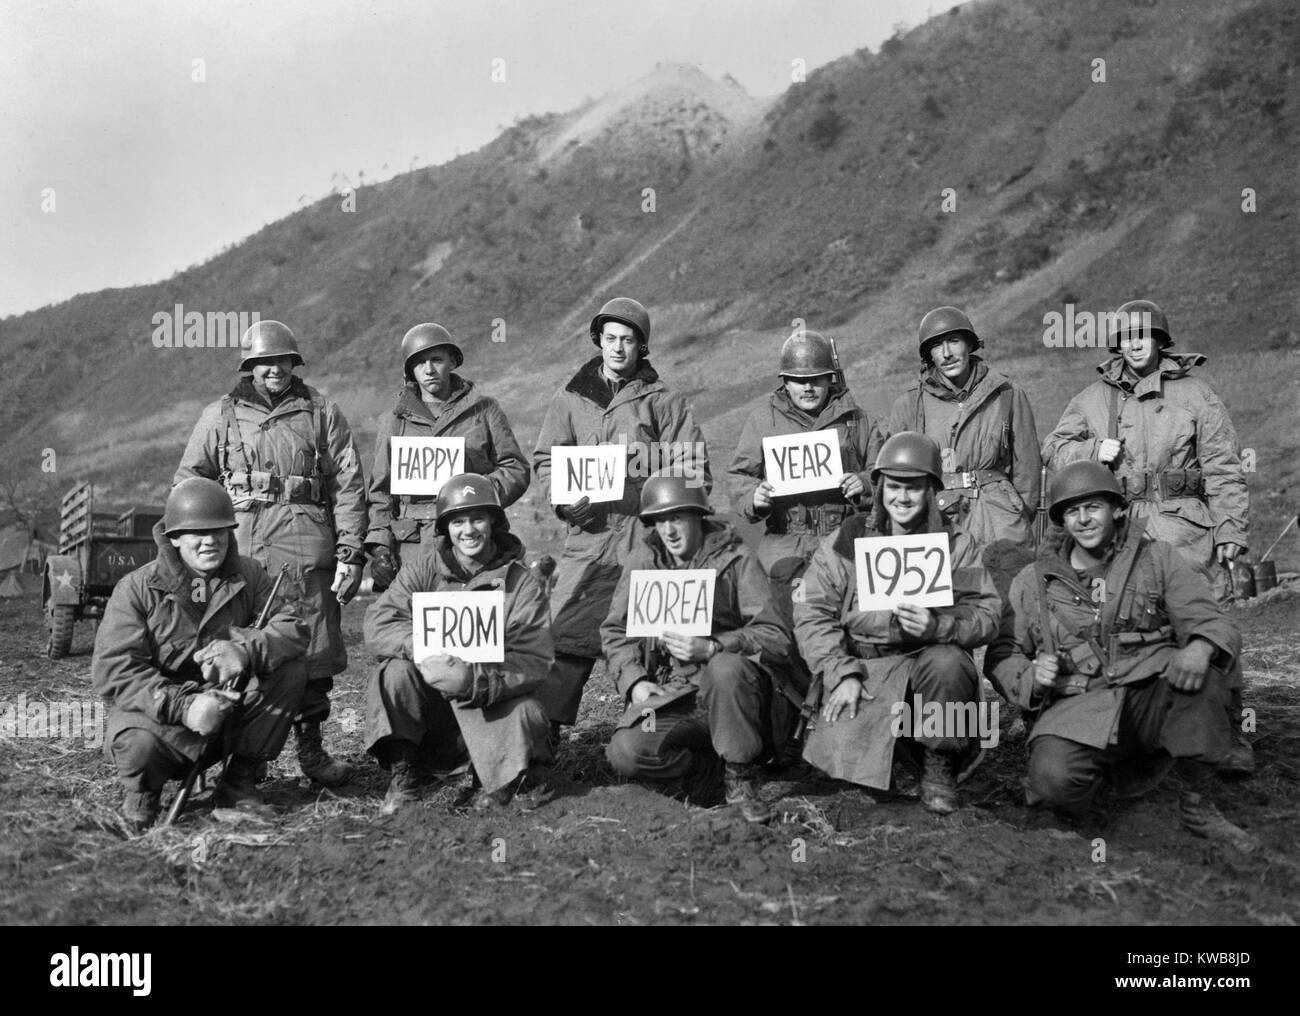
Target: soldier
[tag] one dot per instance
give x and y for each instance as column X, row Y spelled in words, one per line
column 662, row 736
column 984, row 427
column 869, row 661
column 435, row 402
column 1172, row 447
column 286, row 456
column 1118, row 645
column 438, row 713
column 615, row 398
column 176, row 633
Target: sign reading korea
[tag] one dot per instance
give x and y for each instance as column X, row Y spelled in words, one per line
column 421, row 465
column 592, row 471
column 667, row 599
column 797, row 463
column 470, row 625
column 903, row 569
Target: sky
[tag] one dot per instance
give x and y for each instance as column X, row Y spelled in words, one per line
column 139, row 137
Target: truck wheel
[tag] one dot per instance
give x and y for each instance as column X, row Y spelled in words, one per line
column 63, row 620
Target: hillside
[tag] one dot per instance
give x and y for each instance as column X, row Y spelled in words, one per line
column 824, row 205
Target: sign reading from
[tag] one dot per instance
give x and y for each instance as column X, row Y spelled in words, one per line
column 903, row 569
column 421, row 465
column 592, row 471
column 470, row 625
column 669, row 599
column 797, row 463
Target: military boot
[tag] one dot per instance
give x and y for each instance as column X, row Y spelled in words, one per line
column 314, row 760
column 939, row 782
column 1200, row 816
column 140, row 810
column 740, row 784
column 1240, row 760
column 238, row 784
column 404, row 784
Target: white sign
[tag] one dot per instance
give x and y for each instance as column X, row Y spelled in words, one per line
column 903, row 569
column 421, row 465
column 669, row 599
column 797, row 463
column 592, row 471
column 469, row 625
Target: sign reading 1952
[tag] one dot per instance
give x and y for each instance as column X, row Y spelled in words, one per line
column 903, row 569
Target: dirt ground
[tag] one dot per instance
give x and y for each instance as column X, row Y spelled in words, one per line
column 607, row 852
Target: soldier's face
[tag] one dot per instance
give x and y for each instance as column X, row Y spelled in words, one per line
column 1140, row 351
column 904, row 498
column 1091, row 523
column 432, row 372
column 682, row 533
column 470, row 532
column 951, row 355
column 619, row 348
column 274, row 375
column 808, row 393
column 202, row 551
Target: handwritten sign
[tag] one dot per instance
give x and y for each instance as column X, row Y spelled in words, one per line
column 421, row 465
column 593, row 471
column 470, row 625
column 903, row 569
column 797, row 463
column 669, row 599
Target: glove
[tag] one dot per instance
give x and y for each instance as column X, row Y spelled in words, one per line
column 579, row 513
column 450, row 675
column 221, row 662
column 208, row 710
column 383, row 567
column 347, row 579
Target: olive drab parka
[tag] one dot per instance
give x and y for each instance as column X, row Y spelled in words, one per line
column 490, row 450
column 1179, row 460
column 661, row 434
column 1154, row 602
column 992, row 468
column 294, row 474
column 144, row 648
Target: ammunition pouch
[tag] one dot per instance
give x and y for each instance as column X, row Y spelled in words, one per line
column 259, row 485
column 1168, row 484
column 422, row 510
column 957, row 487
column 808, row 520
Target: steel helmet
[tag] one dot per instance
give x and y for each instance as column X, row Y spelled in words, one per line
column 428, row 336
column 939, row 322
column 907, row 454
column 464, row 491
column 268, row 340
column 1081, row 479
column 662, row 494
column 196, row 504
column 807, row 354
column 630, row 313
column 1143, row 317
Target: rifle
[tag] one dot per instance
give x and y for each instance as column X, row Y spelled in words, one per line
column 808, row 711
column 835, row 360
column 1040, row 516
column 240, row 683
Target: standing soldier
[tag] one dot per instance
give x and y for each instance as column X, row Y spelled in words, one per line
column 868, row 661
column 984, row 427
column 615, row 398
column 1117, row 643
column 730, row 727
column 285, row 454
column 435, row 402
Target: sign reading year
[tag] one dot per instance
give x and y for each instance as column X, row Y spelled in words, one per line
column 470, row 625
column 421, row 465
column 796, row 463
column 903, row 569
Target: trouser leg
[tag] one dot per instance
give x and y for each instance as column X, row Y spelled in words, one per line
column 401, row 707
column 661, row 747
column 1063, row 773
column 735, row 693
column 945, row 675
column 268, row 711
column 145, row 762
column 504, row 739
column 563, row 691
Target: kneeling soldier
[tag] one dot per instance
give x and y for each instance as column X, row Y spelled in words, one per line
column 1118, row 643
column 431, row 716
column 869, row 661
column 177, row 634
column 660, row 736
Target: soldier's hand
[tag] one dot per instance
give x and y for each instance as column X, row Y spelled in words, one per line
column 1226, row 552
column 383, row 567
column 1108, row 451
column 450, row 675
column 644, row 689
column 221, row 662
column 763, row 496
column 1046, row 667
column 687, row 648
column 347, row 580
column 919, row 622
column 1186, row 671
column 852, row 486
column 580, row 513
column 208, row 710
column 847, row 694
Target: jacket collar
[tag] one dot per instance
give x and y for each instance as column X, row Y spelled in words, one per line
column 169, row 572
column 246, row 391
column 982, row 381
column 1128, row 537
column 410, row 404
column 1171, row 366
column 720, row 540
column 590, row 383
column 859, row 526
column 839, row 404
column 509, row 550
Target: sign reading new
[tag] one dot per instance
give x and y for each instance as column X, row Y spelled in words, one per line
column 596, row 472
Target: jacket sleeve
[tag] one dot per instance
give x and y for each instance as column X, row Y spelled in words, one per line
column 284, row 637
column 819, row 619
column 763, row 630
column 387, row 625
column 557, row 429
column 123, row 668
column 747, row 469
column 345, row 485
column 683, row 437
column 875, row 439
column 624, row 656
column 510, row 469
column 1026, row 461
column 1191, row 604
column 1010, row 657
column 529, row 652
column 1225, row 479
column 1073, row 439
column 976, row 612
column 202, row 455
column 378, row 495
column 902, row 415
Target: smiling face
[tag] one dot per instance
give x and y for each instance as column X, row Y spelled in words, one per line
column 681, row 532
column 432, row 372
column 619, row 349
column 951, row 356
column 904, row 499
column 202, row 551
column 274, row 374
column 1091, row 522
column 1141, row 350
column 470, row 532
column 808, row 393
